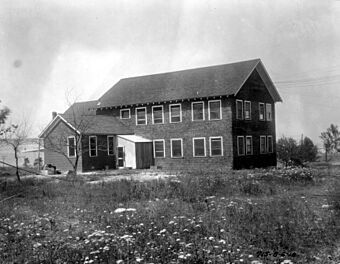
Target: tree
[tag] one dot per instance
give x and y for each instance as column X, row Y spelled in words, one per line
column 15, row 136
column 307, row 151
column 4, row 112
column 287, row 149
column 331, row 139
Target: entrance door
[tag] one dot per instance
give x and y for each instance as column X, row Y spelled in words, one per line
column 144, row 155
column 120, row 156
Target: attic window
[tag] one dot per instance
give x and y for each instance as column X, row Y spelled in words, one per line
column 125, row 114
column 141, row 116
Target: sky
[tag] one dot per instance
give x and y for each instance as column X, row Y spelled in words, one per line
column 57, row 51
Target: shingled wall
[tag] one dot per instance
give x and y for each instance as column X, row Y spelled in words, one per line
column 187, row 129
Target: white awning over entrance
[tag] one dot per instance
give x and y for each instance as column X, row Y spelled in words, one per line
column 134, row 138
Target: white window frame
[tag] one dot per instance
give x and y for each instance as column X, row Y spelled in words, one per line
column 146, row 116
column 242, row 115
column 68, row 147
column 108, row 146
column 154, row 149
column 212, row 101
column 192, row 111
column 125, row 109
column 153, row 120
column 251, row 141
column 210, row 149
column 264, row 114
column 244, row 146
column 193, row 147
column 175, row 139
column 271, row 112
column 265, row 144
column 180, row 113
column 90, row 146
column 244, row 105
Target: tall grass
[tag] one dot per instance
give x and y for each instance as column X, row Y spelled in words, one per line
column 241, row 217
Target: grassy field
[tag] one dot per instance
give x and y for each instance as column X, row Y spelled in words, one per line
column 256, row 216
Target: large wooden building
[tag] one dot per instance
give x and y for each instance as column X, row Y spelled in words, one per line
column 213, row 116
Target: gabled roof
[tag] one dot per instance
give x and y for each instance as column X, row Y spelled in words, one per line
column 226, row 79
column 81, row 118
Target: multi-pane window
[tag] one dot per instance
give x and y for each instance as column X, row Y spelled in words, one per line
column 110, row 145
column 270, row 144
column 261, row 111
column 157, row 114
column 176, row 145
column 93, row 146
column 262, row 144
column 249, row 145
column 215, row 112
column 199, row 147
column 240, row 145
column 175, row 113
column 239, row 109
column 216, row 146
column 141, row 116
column 197, row 110
column 269, row 116
column 159, row 148
column 124, row 113
column 247, row 110
column 71, row 146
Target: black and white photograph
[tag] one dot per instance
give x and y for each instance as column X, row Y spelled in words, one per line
column 182, row 131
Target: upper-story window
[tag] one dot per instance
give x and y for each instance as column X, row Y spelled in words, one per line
column 199, row 147
column 175, row 113
column 215, row 110
column 125, row 113
column 261, row 111
column 157, row 114
column 269, row 116
column 247, row 110
column 93, row 146
column 239, row 109
column 141, row 116
column 71, row 146
column 197, row 110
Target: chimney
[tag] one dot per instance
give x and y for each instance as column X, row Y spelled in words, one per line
column 54, row 114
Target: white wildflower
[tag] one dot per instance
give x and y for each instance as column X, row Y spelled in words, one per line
column 119, row 210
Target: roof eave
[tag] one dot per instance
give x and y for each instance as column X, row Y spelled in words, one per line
column 50, row 126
